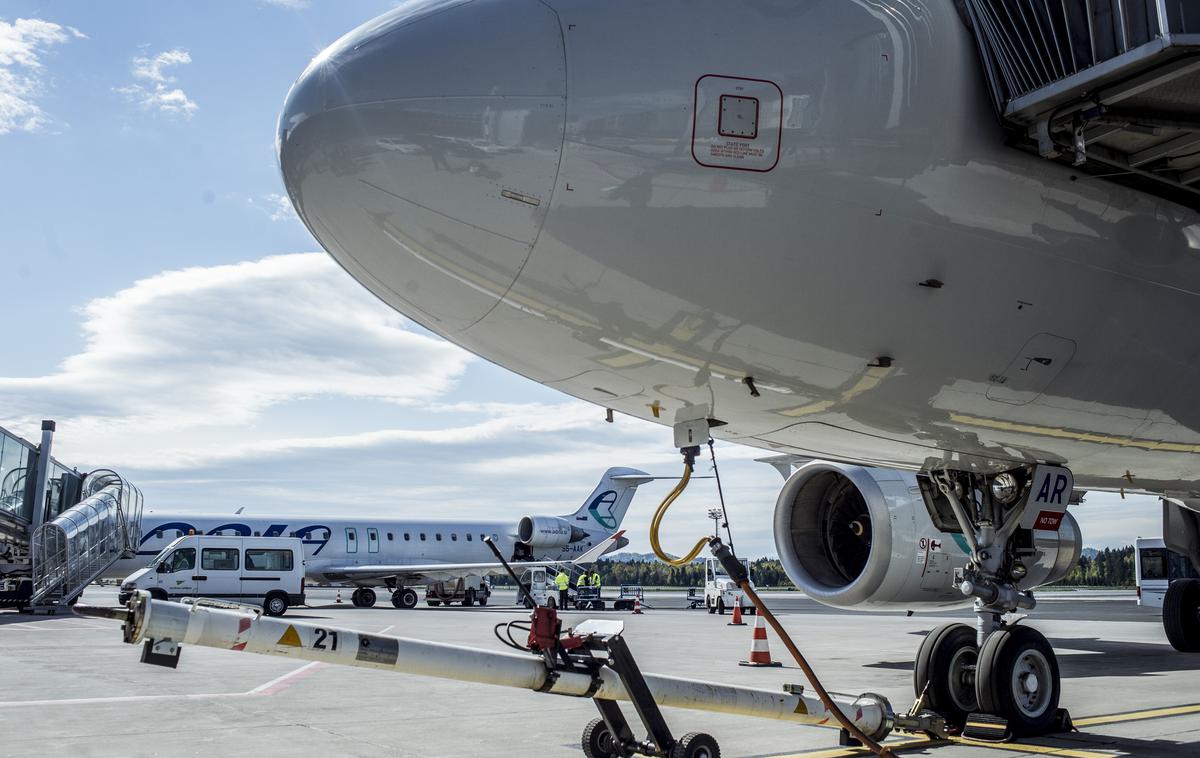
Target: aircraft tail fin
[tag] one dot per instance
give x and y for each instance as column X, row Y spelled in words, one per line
column 606, row 506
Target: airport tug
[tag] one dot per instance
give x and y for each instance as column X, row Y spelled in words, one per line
column 591, row 660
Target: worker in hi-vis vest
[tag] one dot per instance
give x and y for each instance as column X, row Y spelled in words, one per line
column 582, row 581
column 562, row 581
column 595, row 577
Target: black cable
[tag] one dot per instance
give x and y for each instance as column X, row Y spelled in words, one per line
column 720, row 493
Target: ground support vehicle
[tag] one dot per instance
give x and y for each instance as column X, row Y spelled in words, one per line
column 261, row 571
column 629, row 594
column 467, row 591
column 720, row 592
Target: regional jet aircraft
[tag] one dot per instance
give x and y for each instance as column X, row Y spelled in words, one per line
column 800, row 226
column 401, row 553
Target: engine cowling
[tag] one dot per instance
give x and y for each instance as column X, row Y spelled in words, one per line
column 547, row 532
column 857, row 537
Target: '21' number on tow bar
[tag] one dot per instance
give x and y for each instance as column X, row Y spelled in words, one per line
column 321, row 637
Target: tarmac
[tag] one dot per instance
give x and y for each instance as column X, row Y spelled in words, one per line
column 71, row 687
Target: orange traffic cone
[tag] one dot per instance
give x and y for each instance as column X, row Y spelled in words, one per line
column 760, row 654
column 637, row 605
column 339, row 595
column 737, row 614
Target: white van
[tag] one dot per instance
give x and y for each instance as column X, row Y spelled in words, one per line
column 1155, row 567
column 266, row 571
column 720, row 591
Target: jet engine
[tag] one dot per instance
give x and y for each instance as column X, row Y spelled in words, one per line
column 541, row 532
column 856, row 537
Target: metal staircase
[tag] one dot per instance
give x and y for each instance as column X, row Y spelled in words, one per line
column 75, row 548
column 1110, row 86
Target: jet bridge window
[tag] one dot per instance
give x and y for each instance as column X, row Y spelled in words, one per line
column 219, row 559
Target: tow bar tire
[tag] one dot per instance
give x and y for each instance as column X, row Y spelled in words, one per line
column 945, row 672
column 598, row 741
column 1181, row 615
column 275, row 605
column 696, row 745
column 1017, row 678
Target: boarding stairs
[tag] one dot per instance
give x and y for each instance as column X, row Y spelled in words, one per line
column 1111, row 87
column 75, row 548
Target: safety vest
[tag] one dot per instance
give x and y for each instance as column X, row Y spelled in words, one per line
column 562, row 581
column 582, row 581
column 595, row 579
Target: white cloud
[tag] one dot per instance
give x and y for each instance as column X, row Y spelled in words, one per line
column 277, row 207
column 22, row 78
column 217, row 347
column 155, row 90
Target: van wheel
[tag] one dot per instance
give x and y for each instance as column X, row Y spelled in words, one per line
column 276, row 605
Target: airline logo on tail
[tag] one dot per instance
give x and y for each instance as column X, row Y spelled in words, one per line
column 601, row 509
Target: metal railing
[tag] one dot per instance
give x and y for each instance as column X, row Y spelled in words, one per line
column 1028, row 44
column 76, row 547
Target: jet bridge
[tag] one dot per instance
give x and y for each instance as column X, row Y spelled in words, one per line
column 75, row 548
column 1109, row 86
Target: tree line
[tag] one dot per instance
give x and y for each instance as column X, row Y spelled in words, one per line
column 1110, row 567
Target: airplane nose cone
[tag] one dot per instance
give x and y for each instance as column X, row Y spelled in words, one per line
column 421, row 150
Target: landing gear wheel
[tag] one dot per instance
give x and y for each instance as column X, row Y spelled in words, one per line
column 696, row 745
column 407, row 598
column 468, row 598
column 366, row 597
column 597, row 741
column 945, row 672
column 1017, row 678
column 1181, row 615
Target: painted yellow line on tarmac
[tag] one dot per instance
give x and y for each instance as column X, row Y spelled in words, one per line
column 1026, row 747
column 850, row 752
column 1156, row 713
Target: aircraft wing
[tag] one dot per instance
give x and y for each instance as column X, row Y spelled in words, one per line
column 436, row 572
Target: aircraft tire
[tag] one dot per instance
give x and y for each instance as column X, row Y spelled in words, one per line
column 1181, row 615
column 408, row 598
column 943, row 672
column 597, row 740
column 366, row 598
column 696, row 745
column 1017, row 678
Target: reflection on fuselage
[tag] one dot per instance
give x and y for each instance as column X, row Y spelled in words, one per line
column 533, row 192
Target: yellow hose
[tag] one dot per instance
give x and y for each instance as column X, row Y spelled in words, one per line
column 656, row 522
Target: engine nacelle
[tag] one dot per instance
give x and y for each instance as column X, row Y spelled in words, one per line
column 856, row 537
column 547, row 532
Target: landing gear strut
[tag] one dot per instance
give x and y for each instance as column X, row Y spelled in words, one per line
column 997, row 669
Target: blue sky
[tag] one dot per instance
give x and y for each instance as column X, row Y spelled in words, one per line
column 167, row 308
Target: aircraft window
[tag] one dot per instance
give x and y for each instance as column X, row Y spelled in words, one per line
column 158, row 534
column 258, row 534
column 390, row 537
column 481, row 537
column 268, row 560
column 439, row 536
column 325, row 534
column 453, row 537
column 351, row 540
column 182, row 559
column 178, row 532
column 422, row 536
column 219, row 559
column 291, row 534
column 350, row 535
column 495, row 538
column 407, row 536
column 372, row 535
column 468, row 536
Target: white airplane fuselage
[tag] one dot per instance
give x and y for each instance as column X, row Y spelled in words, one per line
column 643, row 204
column 343, row 542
